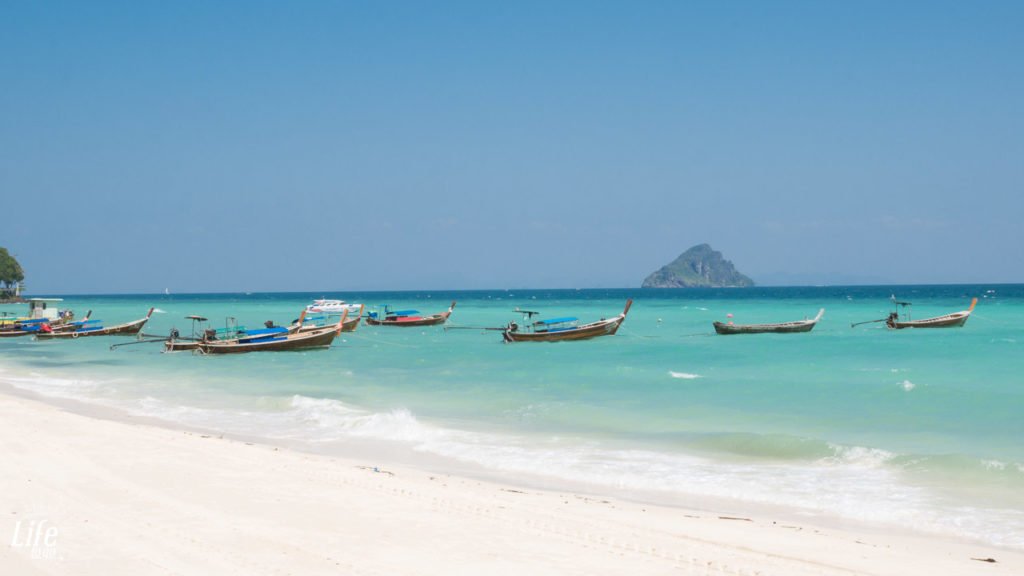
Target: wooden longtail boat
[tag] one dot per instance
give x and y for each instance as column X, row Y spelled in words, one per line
column 126, row 329
column 781, row 328
column 954, row 320
column 299, row 340
column 231, row 332
column 39, row 314
column 408, row 318
column 559, row 329
column 349, row 325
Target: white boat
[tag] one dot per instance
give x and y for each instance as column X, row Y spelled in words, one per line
column 332, row 307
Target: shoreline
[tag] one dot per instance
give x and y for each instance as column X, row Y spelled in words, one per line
column 394, row 453
column 298, row 506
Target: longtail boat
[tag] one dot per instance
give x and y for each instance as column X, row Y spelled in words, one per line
column 91, row 328
column 805, row 325
column 559, row 329
column 299, row 340
column 407, row 318
column 314, row 322
column 232, row 332
column 202, row 332
column 893, row 321
column 39, row 313
column 954, row 320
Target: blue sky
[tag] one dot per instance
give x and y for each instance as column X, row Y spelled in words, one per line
column 222, row 146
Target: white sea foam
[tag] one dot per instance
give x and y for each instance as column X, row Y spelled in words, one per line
column 333, row 420
column 75, row 388
column 684, row 375
column 859, row 456
column 907, row 385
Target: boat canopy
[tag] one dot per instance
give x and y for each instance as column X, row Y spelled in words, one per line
column 37, row 308
column 561, row 320
column 265, row 331
column 197, row 318
column 898, row 302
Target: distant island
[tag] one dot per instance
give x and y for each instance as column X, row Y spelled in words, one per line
column 698, row 267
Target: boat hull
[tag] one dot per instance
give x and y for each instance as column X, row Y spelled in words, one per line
column 788, row 328
column 127, row 329
column 779, row 328
column 949, row 321
column 181, row 345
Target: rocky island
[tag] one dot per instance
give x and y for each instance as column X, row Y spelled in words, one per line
column 698, row 267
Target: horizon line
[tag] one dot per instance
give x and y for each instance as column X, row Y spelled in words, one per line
column 451, row 290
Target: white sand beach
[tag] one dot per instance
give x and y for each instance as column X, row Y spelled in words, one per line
column 85, row 495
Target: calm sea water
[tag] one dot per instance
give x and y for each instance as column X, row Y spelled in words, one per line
column 921, row 429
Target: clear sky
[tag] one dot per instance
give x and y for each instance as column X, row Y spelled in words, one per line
column 259, row 146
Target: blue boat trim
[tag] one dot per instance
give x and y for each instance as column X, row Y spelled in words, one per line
column 265, row 331
column 562, row 320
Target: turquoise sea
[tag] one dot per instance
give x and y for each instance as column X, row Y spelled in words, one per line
column 922, row 429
